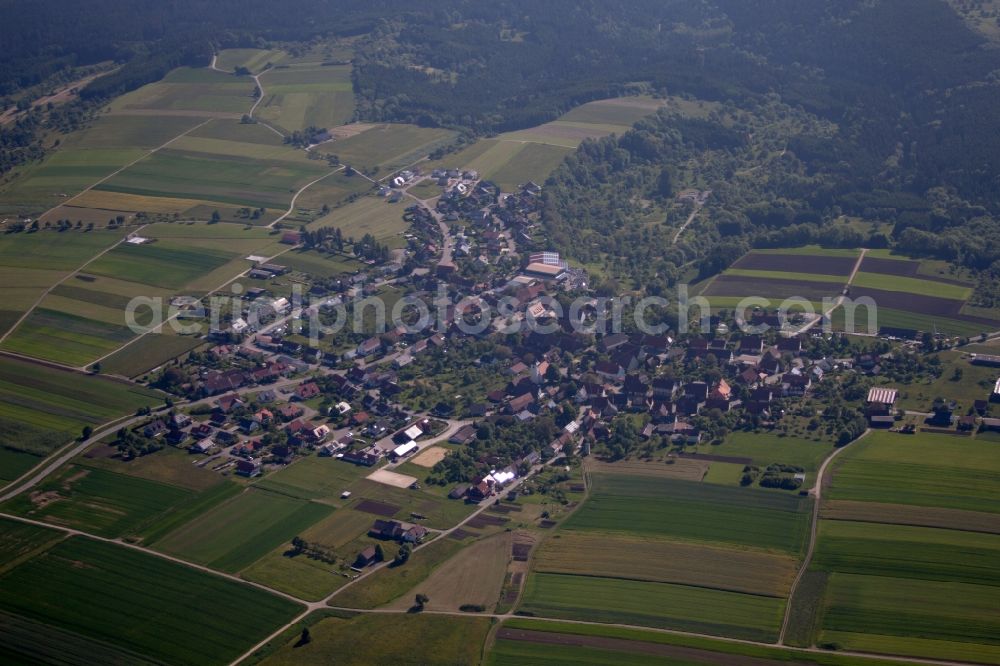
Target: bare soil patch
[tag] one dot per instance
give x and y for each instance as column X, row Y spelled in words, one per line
column 394, row 479
column 430, row 457
column 482, row 521
column 376, row 507
column 714, row 458
column 899, row 300
column 738, row 285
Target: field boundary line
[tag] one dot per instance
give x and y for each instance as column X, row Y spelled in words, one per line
column 817, row 492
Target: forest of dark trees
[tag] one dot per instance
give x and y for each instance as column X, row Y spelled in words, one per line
column 910, row 88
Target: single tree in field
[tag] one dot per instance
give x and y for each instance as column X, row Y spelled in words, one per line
column 87, row 432
column 421, row 600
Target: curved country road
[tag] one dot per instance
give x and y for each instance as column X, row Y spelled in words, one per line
column 817, row 493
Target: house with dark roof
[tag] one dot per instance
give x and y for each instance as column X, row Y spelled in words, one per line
column 464, row 435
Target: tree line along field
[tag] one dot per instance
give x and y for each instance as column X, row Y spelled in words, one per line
column 906, row 557
column 113, row 601
column 732, row 554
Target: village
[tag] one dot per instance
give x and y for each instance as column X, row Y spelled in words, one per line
column 262, row 398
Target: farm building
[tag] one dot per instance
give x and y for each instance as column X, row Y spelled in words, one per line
column 881, row 401
column 404, row 450
column 365, row 557
column 990, row 360
column 544, row 270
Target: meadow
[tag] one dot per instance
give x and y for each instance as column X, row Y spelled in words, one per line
column 252, row 59
column 924, row 469
column 186, row 90
column 300, row 97
column 169, row 264
column 661, row 605
column 765, row 448
column 214, row 178
column 140, row 603
column 234, row 534
column 427, row 639
column 473, row 576
column 313, row 477
column 388, row 146
column 368, row 215
column 588, row 121
column 693, row 511
column 150, row 352
column 389, row 582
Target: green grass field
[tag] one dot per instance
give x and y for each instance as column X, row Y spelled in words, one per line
column 170, row 264
column 140, row 603
column 944, row 620
column 301, row 97
column 43, row 407
column 642, row 558
column 912, row 285
column 66, row 338
column 220, row 179
column 21, row 541
column 252, row 59
column 415, row 639
column 99, row 501
column 766, row 448
column 313, row 477
column 390, row 582
column 693, row 511
column 234, row 534
column 909, row 552
column 368, row 215
column 662, row 605
column 150, row 352
column 923, row 469
column 190, row 90
column 388, row 146
column 506, row 163
column 911, row 320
